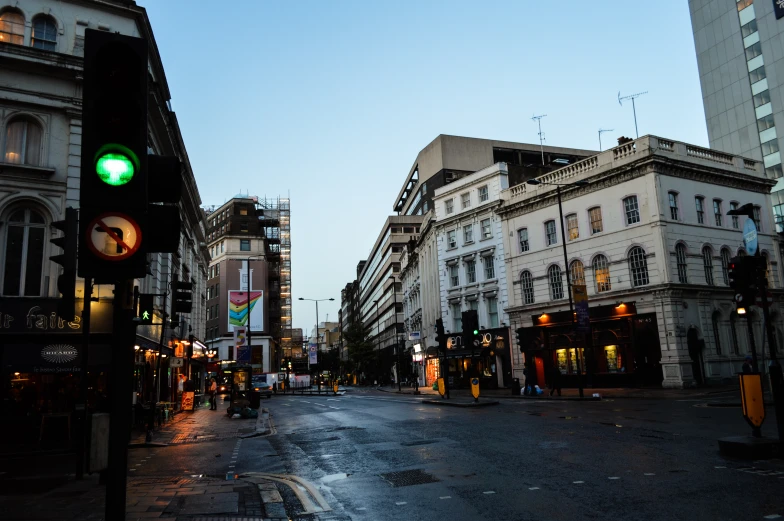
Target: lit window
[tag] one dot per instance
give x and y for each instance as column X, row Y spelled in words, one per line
column 699, row 203
column 601, row 274
column 24, row 253
column 680, row 261
column 23, row 143
column 632, row 210
column 44, row 33
column 486, row 229
column 673, row 206
column 243, row 211
column 577, row 272
column 725, row 264
column 573, row 230
column 527, row 284
column 483, row 194
column 717, row 211
column 596, row 219
column 556, row 282
column 522, row 237
column 549, row 231
column 12, row 28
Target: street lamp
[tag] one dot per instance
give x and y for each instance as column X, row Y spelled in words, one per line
column 558, row 186
column 318, row 381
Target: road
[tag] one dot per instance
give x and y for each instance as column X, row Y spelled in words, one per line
column 380, row 456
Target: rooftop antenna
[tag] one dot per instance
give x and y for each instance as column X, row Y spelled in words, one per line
column 541, row 134
column 632, row 97
column 601, row 131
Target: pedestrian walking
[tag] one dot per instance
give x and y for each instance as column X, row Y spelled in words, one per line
column 747, row 365
column 213, row 395
column 555, row 380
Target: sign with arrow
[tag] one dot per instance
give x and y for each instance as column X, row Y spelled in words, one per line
column 113, row 236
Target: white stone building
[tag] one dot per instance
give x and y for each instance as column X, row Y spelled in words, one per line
column 472, row 271
column 650, row 239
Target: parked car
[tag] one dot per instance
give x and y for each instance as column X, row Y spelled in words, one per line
column 263, row 388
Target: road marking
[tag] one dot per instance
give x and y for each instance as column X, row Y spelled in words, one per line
column 362, row 508
column 614, row 477
column 231, row 466
column 719, row 467
column 773, row 516
column 578, row 482
column 489, row 492
column 445, row 497
column 649, row 474
column 398, row 503
column 336, row 408
column 533, row 488
column 301, row 489
column 285, row 405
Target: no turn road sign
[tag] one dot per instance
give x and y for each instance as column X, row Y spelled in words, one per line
column 113, row 236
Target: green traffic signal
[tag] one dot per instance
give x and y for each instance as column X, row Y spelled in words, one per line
column 476, row 331
column 115, row 164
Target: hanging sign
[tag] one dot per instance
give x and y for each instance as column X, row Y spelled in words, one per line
column 750, row 236
column 113, row 236
column 581, row 308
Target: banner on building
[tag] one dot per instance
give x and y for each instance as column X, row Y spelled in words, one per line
column 313, row 352
column 239, row 304
column 580, row 294
column 778, row 8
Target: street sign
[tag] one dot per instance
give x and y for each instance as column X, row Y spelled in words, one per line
column 768, row 297
column 752, row 403
column 113, row 236
column 475, row 388
column 750, row 236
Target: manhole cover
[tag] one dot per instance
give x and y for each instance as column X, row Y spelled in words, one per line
column 407, row 478
column 419, row 442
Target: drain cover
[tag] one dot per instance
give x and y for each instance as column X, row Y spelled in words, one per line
column 407, row 478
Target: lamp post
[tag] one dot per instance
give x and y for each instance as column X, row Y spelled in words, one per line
column 318, row 381
column 566, row 263
column 378, row 345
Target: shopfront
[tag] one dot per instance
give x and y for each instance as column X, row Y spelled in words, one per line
column 490, row 361
column 620, row 350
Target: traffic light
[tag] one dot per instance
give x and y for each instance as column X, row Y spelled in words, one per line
column 470, row 328
column 113, row 185
column 163, row 193
column 182, row 298
column 441, row 337
column 146, row 308
column 66, row 281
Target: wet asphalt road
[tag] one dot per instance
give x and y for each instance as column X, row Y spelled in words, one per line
column 539, row 460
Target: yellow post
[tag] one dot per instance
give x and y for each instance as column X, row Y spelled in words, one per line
column 752, row 402
column 441, row 388
column 475, row 388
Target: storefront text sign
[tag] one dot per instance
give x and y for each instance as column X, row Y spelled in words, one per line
column 39, row 315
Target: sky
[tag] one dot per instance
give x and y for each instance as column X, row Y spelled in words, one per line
column 329, row 103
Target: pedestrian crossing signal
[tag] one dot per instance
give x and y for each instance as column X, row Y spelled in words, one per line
column 145, row 309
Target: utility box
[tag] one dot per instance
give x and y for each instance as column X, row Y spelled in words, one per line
column 98, row 457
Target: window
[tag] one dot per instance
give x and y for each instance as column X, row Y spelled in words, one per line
column 23, row 143
column 457, row 318
column 466, row 200
column 734, row 334
column 522, row 238
column 735, row 223
column 473, row 305
column 12, row 28
column 471, row 271
column 699, row 202
column 753, row 51
column 489, row 268
column 243, row 227
column 483, row 194
column 244, row 244
column 549, row 231
column 725, row 263
column 770, row 147
column 749, row 28
column 243, row 211
column 486, row 230
column 44, row 33
column 595, row 215
column 638, row 266
column 556, row 283
column 680, row 261
column 601, row 274
column 673, row 206
column 717, row 211
column 449, row 205
column 632, row 210
column 24, row 253
column 492, row 312
column 757, row 74
column 715, row 320
column 527, row 284
column 468, row 233
column 454, row 276
column 572, row 230
column 761, row 99
column 577, row 272
column 451, row 239
column 758, row 218
column 707, row 263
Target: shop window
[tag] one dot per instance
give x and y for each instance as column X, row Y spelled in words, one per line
column 601, row 274
column 638, row 266
column 556, row 282
column 24, row 253
column 527, row 284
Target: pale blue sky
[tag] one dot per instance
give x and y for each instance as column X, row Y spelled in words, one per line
column 331, row 101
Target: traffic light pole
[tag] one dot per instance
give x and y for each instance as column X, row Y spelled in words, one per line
column 156, row 387
column 83, row 421
column 776, row 378
column 121, row 384
column 755, row 431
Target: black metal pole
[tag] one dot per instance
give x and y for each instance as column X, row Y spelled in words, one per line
column 318, row 380
column 569, row 290
column 157, row 375
column 82, row 407
column 776, row 378
column 250, row 345
column 755, row 431
column 121, row 384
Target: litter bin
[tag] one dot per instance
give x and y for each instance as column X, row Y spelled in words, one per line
column 515, row 387
column 254, row 397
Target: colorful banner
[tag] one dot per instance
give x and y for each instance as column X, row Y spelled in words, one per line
column 313, row 352
column 187, row 401
column 239, row 301
column 241, row 345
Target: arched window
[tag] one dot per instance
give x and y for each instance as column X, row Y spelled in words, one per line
column 577, row 272
column 44, row 33
column 725, row 263
column 707, row 264
column 638, row 267
column 556, row 282
column 12, row 27
column 715, row 319
column 23, row 142
column 601, row 274
column 527, row 283
column 24, row 253
column 680, row 261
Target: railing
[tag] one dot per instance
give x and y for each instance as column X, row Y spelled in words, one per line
column 749, row 164
column 624, row 150
column 518, row 190
column 667, row 146
column 560, row 175
column 710, row 155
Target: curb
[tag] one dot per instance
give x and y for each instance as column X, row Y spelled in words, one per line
column 459, row 404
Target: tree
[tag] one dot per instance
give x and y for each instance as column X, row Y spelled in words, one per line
column 361, row 351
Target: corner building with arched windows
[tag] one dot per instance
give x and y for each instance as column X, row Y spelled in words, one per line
column 650, row 238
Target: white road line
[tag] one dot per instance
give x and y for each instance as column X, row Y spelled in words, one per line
column 398, row 503
column 336, row 408
column 614, row 477
column 489, row 492
column 362, row 508
column 445, row 497
column 773, row 516
column 131, row 470
column 719, row 467
column 578, row 482
column 649, row 474
column 533, row 488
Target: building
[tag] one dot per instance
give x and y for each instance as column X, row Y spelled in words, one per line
column 349, row 309
column 380, row 292
column 448, row 158
column 472, row 274
column 249, row 240
column 650, row 239
column 738, row 46
column 41, row 56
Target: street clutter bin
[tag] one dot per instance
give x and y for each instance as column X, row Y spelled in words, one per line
column 254, row 397
column 515, row 387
